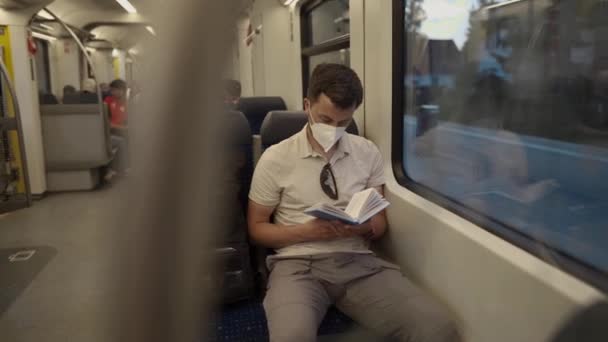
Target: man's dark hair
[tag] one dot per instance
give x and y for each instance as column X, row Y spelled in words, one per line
column 338, row 82
column 232, row 88
column 119, row 84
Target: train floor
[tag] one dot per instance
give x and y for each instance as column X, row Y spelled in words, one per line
column 65, row 296
column 62, row 292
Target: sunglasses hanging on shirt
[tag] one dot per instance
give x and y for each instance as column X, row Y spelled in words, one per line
column 328, row 182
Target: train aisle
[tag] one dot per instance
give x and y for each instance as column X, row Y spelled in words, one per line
column 70, row 298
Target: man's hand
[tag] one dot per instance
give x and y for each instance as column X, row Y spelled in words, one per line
column 319, row 230
column 365, row 230
column 278, row 236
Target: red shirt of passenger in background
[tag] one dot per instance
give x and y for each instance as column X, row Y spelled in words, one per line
column 118, row 111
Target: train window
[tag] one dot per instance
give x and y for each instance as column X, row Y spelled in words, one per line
column 329, row 19
column 325, row 28
column 503, row 118
column 341, row 56
column 43, row 73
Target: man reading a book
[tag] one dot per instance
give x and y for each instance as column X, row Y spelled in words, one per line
column 319, row 262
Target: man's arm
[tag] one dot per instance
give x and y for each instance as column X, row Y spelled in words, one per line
column 378, row 222
column 268, row 234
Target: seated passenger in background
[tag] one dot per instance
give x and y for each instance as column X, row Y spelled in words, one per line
column 68, row 90
column 88, row 95
column 105, row 90
column 319, row 263
column 117, row 103
column 89, row 86
column 232, row 93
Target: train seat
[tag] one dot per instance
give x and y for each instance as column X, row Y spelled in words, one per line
column 255, row 109
column 236, row 276
column 81, row 98
column 48, row 99
column 282, row 124
column 77, row 144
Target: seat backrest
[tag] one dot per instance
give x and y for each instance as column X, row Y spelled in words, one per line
column 255, row 109
column 588, row 324
column 240, row 152
column 81, row 98
column 48, row 99
column 75, row 137
column 233, row 253
column 282, row 124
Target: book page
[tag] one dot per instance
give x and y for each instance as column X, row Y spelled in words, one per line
column 329, row 212
column 358, row 202
column 373, row 209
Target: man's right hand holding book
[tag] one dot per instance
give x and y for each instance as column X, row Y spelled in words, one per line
column 319, row 229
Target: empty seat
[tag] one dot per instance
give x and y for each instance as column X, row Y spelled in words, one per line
column 255, row 109
column 282, row 124
column 77, row 144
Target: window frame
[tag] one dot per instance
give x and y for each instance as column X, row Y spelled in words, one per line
column 47, row 62
column 587, row 273
column 307, row 48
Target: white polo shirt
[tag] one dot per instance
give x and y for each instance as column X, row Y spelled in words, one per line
column 287, row 178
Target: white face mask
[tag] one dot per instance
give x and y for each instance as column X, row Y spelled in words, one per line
column 326, row 135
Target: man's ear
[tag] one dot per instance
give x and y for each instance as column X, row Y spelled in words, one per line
column 306, row 104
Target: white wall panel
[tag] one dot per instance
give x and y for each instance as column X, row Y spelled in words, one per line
column 27, row 95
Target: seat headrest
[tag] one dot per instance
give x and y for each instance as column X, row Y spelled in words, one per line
column 255, row 109
column 282, row 124
column 237, row 128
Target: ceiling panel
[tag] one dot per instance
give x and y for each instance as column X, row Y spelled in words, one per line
column 121, row 36
column 82, row 12
column 19, row 4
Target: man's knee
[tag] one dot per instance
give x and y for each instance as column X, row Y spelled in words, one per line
column 445, row 331
column 292, row 333
column 292, row 323
column 438, row 327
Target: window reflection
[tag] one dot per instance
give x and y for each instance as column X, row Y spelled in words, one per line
column 506, row 111
column 341, row 56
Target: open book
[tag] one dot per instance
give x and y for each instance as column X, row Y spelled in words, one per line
column 362, row 206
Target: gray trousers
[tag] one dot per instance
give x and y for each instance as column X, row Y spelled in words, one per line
column 121, row 159
column 369, row 290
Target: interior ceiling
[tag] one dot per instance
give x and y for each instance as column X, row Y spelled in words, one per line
column 20, row 4
column 85, row 12
column 122, row 36
column 110, row 17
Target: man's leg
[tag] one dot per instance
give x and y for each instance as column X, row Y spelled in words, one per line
column 391, row 305
column 295, row 302
column 120, row 161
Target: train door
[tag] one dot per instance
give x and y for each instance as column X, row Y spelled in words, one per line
column 14, row 185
